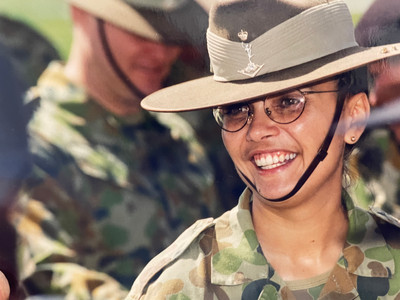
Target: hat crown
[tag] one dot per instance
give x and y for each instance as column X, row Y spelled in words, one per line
column 228, row 17
column 256, row 37
column 157, row 4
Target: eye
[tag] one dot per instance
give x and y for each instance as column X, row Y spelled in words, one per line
column 288, row 103
column 234, row 110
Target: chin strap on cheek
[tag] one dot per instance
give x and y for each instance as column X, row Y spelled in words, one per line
column 111, row 59
column 320, row 156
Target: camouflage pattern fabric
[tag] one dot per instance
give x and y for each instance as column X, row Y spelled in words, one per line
column 106, row 194
column 379, row 172
column 222, row 259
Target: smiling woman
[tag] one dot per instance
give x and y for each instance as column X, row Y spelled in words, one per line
column 289, row 93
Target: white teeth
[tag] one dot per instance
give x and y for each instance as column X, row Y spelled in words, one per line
column 272, row 161
column 263, row 160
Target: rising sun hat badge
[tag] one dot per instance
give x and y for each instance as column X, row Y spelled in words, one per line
column 251, row 69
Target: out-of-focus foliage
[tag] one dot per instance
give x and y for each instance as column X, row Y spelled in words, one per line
column 49, row 17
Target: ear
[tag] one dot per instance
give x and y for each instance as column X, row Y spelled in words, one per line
column 79, row 16
column 76, row 13
column 357, row 114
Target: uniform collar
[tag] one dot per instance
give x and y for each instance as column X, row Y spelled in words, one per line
column 238, row 258
column 54, row 84
column 238, row 248
column 72, row 108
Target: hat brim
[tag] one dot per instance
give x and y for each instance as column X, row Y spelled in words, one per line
column 174, row 26
column 207, row 93
column 128, row 18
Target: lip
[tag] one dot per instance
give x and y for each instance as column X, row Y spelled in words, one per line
column 151, row 69
column 149, row 66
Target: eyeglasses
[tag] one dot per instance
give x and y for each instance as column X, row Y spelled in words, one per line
column 282, row 109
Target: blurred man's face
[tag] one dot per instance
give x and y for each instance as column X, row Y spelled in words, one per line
column 145, row 62
column 386, row 87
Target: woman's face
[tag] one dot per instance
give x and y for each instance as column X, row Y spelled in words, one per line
column 274, row 156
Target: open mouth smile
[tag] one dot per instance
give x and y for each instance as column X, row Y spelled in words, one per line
column 270, row 161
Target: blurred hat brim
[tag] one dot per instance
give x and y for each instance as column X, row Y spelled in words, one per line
column 182, row 25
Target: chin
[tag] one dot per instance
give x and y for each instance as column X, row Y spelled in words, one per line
column 275, row 193
column 147, row 90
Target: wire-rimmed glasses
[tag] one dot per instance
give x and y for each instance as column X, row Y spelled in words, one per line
column 282, row 109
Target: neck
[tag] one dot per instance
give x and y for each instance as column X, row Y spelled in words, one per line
column 305, row 240
column 94, row 73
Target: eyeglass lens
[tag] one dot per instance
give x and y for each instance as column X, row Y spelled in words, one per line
column 282, row 109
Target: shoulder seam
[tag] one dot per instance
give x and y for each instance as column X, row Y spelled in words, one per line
column 168, row 255
column 383, row 216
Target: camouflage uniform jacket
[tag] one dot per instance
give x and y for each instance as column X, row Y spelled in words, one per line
column 107, row 194
column 222, row 259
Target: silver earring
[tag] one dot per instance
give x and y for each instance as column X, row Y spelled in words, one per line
column 353, row 139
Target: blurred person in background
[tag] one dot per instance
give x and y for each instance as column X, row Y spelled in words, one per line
column 112, row 185
column 379, row 156
column 29, row 50
column 14, row 166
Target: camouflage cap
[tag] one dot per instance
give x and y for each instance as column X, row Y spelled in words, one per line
column 168, row 21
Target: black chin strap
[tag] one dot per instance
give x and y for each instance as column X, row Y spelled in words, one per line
column 111, row 59
column 322, row 153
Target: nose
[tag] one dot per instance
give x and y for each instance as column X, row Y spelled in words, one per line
column 164, row 53
column 260, row 125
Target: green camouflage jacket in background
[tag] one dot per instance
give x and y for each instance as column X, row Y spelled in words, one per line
column 222, row 259
column 379, row 167
column 106, row 195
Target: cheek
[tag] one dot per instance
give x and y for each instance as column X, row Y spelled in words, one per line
column 226, row 140
column 315, row 123
column 173, row 53
column 123, row 46
column 232, row 144
column 310, row 133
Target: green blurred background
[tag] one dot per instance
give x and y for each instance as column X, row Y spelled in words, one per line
column 49, row 17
